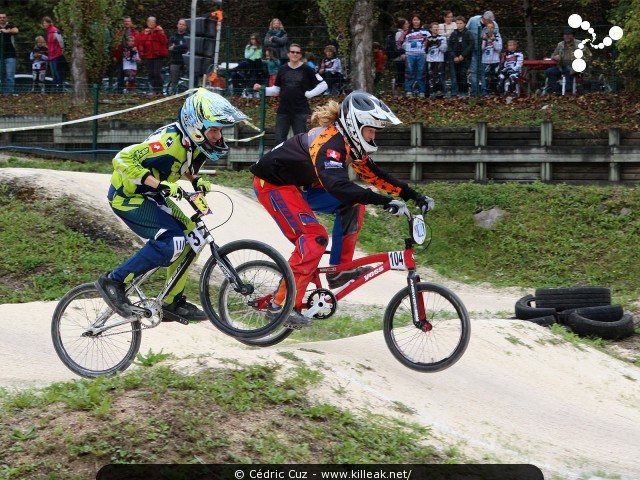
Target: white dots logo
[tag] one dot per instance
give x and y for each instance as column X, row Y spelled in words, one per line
column 575, row 21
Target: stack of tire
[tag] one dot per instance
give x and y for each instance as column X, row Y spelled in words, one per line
column 587, row 311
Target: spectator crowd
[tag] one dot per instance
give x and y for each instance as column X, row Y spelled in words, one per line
column 456, row 56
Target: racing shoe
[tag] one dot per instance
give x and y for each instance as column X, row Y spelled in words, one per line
column 295, row 320
column 113, row 294
column 336, row 280
column 183, row 310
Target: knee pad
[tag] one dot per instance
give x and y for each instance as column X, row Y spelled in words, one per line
column 322, row 241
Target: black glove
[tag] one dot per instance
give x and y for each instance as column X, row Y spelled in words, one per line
column 425, row 203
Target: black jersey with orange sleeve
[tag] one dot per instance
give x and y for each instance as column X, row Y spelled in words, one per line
column 320, row 158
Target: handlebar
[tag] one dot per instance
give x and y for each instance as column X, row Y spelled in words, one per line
column 393, row 210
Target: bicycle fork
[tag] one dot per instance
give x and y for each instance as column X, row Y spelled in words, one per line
column 418, row 308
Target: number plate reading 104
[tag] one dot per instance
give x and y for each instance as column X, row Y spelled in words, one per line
column 396, row 260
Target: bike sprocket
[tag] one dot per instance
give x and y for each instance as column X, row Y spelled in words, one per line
column 156, row 316
column 329, row 300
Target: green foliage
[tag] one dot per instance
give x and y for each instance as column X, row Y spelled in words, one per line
column 629, row 45
column 337, row 14
column 91, row 22
column 151, row 358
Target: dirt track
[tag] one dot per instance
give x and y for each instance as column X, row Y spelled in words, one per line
column 516, row 396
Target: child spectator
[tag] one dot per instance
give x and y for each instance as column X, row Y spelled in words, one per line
column 378, row 60
column 460, row 45
column 414, row 41
column 436, row 47
column 491, row 48
column 511, row 66
column 273, row 64
column 39, row 57
column 130, row 60
column 331, row 71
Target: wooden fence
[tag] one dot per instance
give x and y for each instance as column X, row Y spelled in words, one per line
column 483, row 153
column 416, row 153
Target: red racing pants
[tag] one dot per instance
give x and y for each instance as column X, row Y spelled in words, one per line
column 293, row 210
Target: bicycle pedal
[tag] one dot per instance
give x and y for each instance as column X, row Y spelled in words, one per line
column 170, row 317
column 291, row 326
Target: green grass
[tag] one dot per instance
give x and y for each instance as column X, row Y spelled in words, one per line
column 551, row 235
column 255, row 414
column 68, row 165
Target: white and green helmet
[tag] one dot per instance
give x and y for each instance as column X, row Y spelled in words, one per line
column 203, row 110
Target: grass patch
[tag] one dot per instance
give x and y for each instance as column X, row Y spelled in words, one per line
column 157, row 415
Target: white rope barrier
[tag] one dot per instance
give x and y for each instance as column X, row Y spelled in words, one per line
column 120, row 112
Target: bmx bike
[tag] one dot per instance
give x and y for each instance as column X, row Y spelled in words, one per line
column 92, row 340
column 426, row 326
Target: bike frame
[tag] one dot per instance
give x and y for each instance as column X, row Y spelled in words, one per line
column 391, row 260
column 204, row 236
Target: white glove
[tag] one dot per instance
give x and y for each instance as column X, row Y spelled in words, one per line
column 397, row 207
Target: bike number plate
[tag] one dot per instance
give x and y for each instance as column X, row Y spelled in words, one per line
column 396, row 260
column 196, row 240
column 419, row 230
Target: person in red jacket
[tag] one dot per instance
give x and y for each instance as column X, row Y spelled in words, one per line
column 128, row 29
column 152, row 43
column 55, row 46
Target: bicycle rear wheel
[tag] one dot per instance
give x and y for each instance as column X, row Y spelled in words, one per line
column 88, row 355
column 241, row 309
column 439, row 341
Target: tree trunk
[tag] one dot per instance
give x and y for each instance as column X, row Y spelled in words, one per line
column 528, row 27
column 361, row 25
column 78, row 69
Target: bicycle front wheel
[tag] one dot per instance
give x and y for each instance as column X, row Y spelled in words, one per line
column 439, row 340
column 86, row 354
column 242, row 306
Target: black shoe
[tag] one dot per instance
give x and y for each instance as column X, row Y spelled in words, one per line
column 183, row 309
column 336, row 280
column 295, row 320
column 113, row 294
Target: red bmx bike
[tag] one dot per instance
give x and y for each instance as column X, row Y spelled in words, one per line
column 426, row 325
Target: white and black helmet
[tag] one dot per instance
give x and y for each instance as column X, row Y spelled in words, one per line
column 361, row 109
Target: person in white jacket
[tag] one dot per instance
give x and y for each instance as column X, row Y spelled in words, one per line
column 436, row 48
column 491, row 49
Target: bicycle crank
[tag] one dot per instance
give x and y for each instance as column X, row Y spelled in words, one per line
column 321, row 303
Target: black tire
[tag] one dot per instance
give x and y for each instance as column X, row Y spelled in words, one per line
column 433, row 350
column 571, row 292
column 573, row 303
column 586, row 327
column 606, row 313
column 566, row 298
column 239, row 316
column 275, row 337
column 524, row 310
column 91, row 356
column 545, row 321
